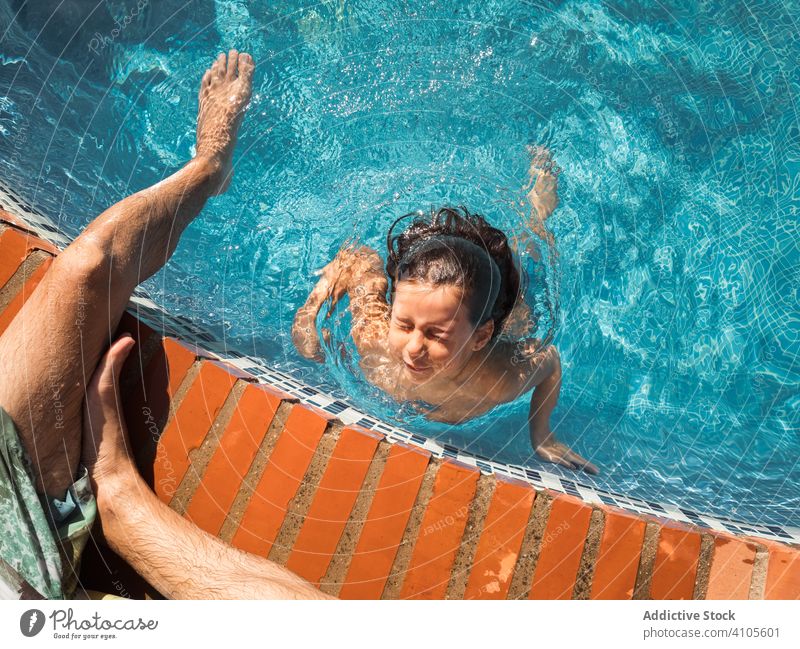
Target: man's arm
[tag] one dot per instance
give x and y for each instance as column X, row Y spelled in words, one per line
column 182, row 561
column 175, row 556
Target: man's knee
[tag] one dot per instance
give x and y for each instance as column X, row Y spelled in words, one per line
column 83, row 264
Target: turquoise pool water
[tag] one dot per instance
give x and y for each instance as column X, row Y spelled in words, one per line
column 675, row 300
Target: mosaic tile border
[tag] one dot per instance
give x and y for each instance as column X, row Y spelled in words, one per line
column 181, row 328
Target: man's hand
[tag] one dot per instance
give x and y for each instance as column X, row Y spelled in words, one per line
column 171, row 553
column 558, row 453
column 105, row 442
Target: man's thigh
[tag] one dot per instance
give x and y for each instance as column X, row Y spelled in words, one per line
column 47, row 355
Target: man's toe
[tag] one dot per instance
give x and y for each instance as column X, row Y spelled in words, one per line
column 219, row 66
column 246, row 67
column 233, row 64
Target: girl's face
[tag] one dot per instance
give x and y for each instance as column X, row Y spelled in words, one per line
column 430, row 332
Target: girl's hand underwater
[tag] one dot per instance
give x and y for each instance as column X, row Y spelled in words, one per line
column 558, row 453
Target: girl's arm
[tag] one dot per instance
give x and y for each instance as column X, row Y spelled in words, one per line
column 543, row 402
column 304, row 327
column 542, row 189
column 333, row 283
column 359, row 273
column 371, row 311
column 530, row 367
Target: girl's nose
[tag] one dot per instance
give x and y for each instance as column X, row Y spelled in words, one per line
column 416, row 344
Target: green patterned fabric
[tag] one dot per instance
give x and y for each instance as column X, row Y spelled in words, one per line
column 41, row 539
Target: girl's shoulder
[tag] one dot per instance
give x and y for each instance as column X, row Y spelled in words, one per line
column 517, row 366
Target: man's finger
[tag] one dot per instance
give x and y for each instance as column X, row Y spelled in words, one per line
column 119, row 352
column 110, row 365
column 116, row 355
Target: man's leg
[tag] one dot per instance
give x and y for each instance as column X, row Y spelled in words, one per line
column 51, row 349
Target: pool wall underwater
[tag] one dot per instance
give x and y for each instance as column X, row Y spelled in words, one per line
column 366, row 511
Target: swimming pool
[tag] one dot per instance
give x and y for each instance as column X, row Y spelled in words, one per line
column 677, row 230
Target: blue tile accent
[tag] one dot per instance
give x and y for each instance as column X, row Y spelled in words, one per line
column 418, row 439
column 570, row 489
column 450, row 451
column 779, row 531
column 336, row 407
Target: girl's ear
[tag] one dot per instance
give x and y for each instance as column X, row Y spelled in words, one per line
column 483, row 335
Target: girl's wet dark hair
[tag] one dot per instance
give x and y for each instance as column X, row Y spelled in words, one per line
column 452, row 247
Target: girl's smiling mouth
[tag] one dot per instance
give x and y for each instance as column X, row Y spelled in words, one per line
column 416, row 369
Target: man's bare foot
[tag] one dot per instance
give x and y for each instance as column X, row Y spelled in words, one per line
column 224, row 95
column 543, row 175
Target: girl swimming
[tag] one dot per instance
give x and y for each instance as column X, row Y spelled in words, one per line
column 452, row 282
